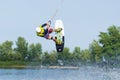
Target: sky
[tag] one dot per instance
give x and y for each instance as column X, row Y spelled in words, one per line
column 83, row 20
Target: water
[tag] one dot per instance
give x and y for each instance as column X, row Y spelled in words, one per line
column 84, row 73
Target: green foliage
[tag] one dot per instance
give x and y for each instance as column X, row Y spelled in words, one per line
column 46, row 58
column 85, row 55
column 64, row 55
column 6, row 50
column 110, row 42
column 107, row 46
column 34, row 52
column 53, row 58
column 22, row 47
column 13, row 64
column 77, row 53
column 95, row 50
column 76, row 56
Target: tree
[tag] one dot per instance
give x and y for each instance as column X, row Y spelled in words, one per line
column 53, row 58
column 35, row 51
column 96, row 51
column 110, row 42
column 76, row 55
column 22, row 47
column 85, row 55
column 5, row 50
column 46, row 58
column 64, row 55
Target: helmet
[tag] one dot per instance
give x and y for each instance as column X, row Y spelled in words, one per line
column 38, row 29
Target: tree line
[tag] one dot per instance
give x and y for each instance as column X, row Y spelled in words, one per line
column 105, row 49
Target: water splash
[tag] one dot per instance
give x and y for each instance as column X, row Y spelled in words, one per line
column 83, row 73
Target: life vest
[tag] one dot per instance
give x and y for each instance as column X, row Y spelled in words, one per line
column 42, row 32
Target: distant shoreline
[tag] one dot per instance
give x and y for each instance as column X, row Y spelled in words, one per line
column 60, row 67
column 38, row 67
column 30, row 65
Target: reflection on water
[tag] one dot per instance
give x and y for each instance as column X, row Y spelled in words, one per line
column 83, row 73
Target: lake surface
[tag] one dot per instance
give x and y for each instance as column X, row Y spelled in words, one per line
column 83, row 73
